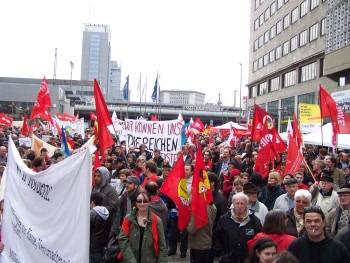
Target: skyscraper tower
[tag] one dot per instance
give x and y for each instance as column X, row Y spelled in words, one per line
column 96, row 55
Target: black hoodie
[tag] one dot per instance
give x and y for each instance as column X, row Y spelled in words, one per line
column 328, row 250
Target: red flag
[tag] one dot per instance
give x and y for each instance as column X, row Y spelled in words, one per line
column 198, row 125
column 6, row 120
column 59, row 130
column 259, row 117
column 25, row 129
column 33, row 127
column 44, row 94
column 59, row 116
column 154, row 118
column 201, row 193
column 43, row 101
column 294, row 158
column 175, row 188
column 264, row 153
column 97, row 163
column 279, row 145
column 211, row 139
column 296, row 133
column 104, row 119
column 93, row 117
column 68, row 117
column 329, row 108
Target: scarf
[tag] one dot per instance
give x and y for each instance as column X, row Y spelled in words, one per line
column 299, row 221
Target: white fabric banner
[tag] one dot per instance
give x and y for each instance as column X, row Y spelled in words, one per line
column 118, row 127
column 71, row 127
column 162, row 135
column 46, row 214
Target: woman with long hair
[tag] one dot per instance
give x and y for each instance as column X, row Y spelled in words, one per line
column 146, row 229
column 263, row 250
column 271, row 191
column 275, row 228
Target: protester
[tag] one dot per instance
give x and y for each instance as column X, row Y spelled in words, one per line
column 300, row 178
column 285, row 202
column 39, row 164
column 263, row 251
column 138, row 170
column 271, row 191
column 259, row 209
column 234, row 230
column 120, row 183
column 100, row 225
column 150, row 172
column 339, row 216
column 274, row 228
column 336, row 174
column 316, row 246
column 146, row 229
column 295, row 220
column 284, row 257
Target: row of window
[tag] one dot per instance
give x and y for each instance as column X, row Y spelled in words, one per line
column 306, row 73
column 276, row 5
column 291, row 45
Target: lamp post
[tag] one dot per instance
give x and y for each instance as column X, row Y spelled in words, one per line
column 240, row 96
column 283, row 112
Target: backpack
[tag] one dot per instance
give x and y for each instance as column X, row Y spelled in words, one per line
column 110, row 254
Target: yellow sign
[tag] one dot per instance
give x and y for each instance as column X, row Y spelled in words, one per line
column 310, row 113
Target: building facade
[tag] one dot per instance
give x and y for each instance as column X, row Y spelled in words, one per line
column 287, row 56
column 96, row 55
column 114, row 92
column 182, row 97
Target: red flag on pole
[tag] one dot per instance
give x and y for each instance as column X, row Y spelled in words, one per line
column 59, row 116
column 175, row 188
column 198, row 125
column 296, row 133
column 294, row 158
column 201, row 193
column 93, row 117
column 5, row 120
column 104, row 119
column 260, row 116
column 43, row 101
column 68, row 117
column 329, row 108
column 25, row 129
column 44, row 94
column 264, row 153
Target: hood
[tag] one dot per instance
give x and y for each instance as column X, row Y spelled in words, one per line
column 104, row 176
column 158, row 205
column 327, row 239
column 102, row 211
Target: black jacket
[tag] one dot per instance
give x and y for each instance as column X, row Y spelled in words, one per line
column 230, row 236
column 267, row 200
column 291, row 228
column 100, row 226
column 326, row 251
column 221, row 206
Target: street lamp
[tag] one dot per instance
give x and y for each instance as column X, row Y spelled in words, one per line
column 283, row 112
column 240, row 96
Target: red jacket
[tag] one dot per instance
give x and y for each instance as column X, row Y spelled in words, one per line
column 283, row 240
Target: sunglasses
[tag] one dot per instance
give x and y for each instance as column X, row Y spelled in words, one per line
column 139, row 201
column 312, row 208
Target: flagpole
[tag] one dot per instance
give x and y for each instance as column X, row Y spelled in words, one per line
column 319, row 102
column 160, row 105
column 140, row 93
column 145, row 96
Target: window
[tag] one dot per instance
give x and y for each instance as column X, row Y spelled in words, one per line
column 256, row 45
column 295, row 14
column 279, row 4
column 278, row 52
column 314, row 4
column 303, row 38
column 308, row 72
column 260, row 63
column 274, row 84
column 286, row 21
column 308, row 98
column 272, row 55
column 272, row 32
column 313, row 32
column 293, row 43
column 267, row 13
column 285, row 48
column 266, row 59
column 279, row 27
column 255, row 65
column 257, row 3
column 261, row 41
column 323, row 27
column 253, row 92
column 289, row 79
column 303, row 8
column 262, row 88
column 266, row 36
column 256, row 24
column 261, row 19
column 273, row 8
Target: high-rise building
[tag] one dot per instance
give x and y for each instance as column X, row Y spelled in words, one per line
column 96, row 55
column 293, row 47
column 114, row 92
column 182, row 97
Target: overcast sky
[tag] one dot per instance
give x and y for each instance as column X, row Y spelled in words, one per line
column 194, row 45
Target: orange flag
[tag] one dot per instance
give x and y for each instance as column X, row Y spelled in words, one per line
column 175, row 188
column 201, row 192
column 104, row 119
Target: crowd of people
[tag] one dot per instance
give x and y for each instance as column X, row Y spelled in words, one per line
column 301, row 217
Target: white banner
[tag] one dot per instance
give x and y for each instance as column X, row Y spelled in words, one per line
column 46, row 215
column 71, row 127
column 119, row 128
column 162, row 135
